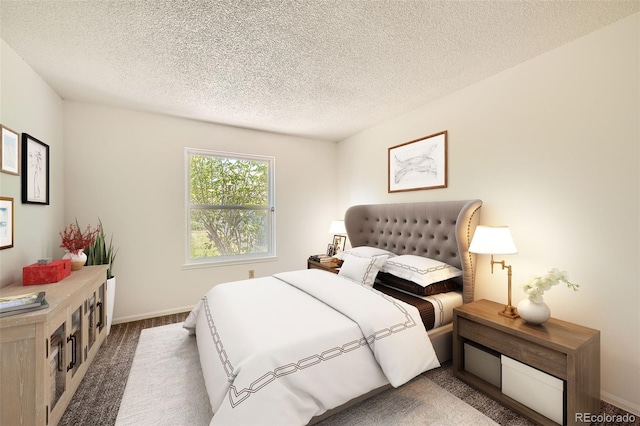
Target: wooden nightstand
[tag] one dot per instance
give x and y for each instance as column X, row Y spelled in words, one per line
column 566, row 351
column 327, row 266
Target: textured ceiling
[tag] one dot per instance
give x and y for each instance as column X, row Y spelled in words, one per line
column 320, row 69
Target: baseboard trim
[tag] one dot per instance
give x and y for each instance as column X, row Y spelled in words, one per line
column 151, row 315
column 620, row 403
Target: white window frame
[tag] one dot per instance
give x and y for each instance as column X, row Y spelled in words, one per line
column 271, row 224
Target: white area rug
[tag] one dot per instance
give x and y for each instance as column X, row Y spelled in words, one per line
column 165, row 385
column 419, row 402
column 166, row 388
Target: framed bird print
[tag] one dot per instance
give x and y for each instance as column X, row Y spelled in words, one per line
column 419, row 164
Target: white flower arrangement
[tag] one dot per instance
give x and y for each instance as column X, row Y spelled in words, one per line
column 537, row 285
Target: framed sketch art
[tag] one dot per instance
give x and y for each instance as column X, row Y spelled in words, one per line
column 419, row 164
column 35, row 170
column 6, row 223
column 9, row 151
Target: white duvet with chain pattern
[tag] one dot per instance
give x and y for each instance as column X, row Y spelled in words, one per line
column 280, row 350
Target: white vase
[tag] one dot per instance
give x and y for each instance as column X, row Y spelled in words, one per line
column 77, row 260
column 111, row 297
column 532, row 312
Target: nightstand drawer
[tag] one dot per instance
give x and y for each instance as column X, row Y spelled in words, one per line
column 528, row 352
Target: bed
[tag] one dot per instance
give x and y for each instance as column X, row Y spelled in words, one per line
column 295, row 347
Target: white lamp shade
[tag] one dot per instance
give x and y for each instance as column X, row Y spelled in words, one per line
column 337, row 227
column 492, row 240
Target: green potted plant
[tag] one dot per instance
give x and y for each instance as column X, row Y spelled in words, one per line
column 101, row 253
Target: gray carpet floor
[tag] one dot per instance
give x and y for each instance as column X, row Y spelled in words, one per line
column 97, row 400
column 98, row 397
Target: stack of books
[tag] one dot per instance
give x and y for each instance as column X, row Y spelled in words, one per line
column 323, row 258
column 14, row 305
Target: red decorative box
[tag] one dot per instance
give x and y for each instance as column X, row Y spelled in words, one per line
column 46, row 274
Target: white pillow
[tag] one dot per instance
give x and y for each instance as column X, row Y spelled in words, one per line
column 362, row 270
column 365, row 251
column 420, row 270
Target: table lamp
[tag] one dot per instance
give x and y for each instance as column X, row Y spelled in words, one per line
column 496, row 240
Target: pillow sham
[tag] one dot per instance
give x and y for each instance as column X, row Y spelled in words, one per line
column 420, row 270
column 398, row 283
column 362, row 270
column 364, row 251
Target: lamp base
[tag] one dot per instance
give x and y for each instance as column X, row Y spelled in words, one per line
column 509, row 312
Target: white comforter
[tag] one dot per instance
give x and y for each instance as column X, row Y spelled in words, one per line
column 280, row 350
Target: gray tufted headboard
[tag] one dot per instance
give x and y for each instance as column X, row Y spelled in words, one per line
column 440, row 230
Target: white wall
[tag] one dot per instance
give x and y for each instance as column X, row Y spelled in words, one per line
column 127, row 168
column 552, row 148
column 29, row 105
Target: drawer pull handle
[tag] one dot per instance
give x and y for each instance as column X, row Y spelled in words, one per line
column 99, row 323
column 72, row 339
column 59, row 355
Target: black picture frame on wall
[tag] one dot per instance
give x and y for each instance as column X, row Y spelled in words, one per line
column 35, row 171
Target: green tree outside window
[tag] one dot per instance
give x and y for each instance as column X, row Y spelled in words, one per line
column 231, row 211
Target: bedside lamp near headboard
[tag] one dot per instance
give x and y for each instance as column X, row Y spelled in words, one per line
column 496, row 240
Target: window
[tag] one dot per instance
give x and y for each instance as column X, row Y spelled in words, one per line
column 230, row 207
